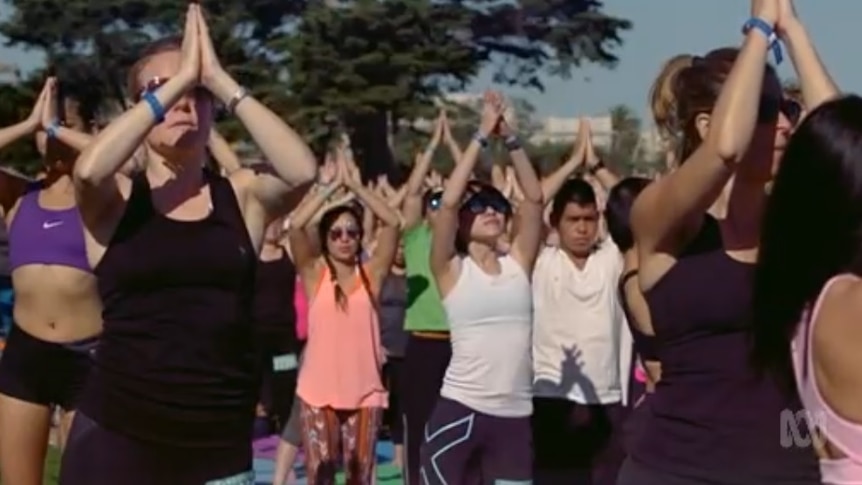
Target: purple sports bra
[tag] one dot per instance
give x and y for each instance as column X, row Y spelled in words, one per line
column 43, row 236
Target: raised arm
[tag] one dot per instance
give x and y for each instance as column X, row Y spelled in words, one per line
column 669, row 211
column 553, row 182
column 96, row 170
column 595, row 166
column 817, row 85
column 74, row 139
column 290, row 160
column 12, row 185
column 446, row 222
column 527, row 234
column 223, row 154
column 411, row 209
column 303, row 247
column 386, row 243
column 449, row 139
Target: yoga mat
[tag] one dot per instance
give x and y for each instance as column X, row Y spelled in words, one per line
column 264, row 466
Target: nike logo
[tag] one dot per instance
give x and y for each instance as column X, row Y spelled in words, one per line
column 50, row 224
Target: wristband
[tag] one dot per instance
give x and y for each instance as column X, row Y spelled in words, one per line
column 52, row 128
column 238, row 96
column 595, row 168
column 482, row 139
column 155, row 106
column 512, row 143
column 766, row 29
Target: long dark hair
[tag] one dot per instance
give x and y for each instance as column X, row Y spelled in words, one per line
column 812, row 228
column 618, row 210
column 326, row 222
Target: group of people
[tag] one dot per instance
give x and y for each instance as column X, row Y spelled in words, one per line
column 576, row 328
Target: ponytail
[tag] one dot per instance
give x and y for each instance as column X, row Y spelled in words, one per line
column 663, row 99
column 340, row 295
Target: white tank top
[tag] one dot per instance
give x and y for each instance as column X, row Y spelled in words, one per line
column 490, row 326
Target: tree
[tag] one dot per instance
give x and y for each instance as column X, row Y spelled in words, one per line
column 366, row 65
column 91, row 43
column 626, row 138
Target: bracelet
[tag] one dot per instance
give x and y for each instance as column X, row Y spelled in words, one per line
column 766, row 29
column 512, row 143
column 482, row 139
column 155, row 106
column 52, row 128
column 237, row 97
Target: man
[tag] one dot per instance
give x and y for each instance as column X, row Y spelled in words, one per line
column 579, row 359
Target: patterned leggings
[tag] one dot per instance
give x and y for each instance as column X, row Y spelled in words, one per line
column 328, row 433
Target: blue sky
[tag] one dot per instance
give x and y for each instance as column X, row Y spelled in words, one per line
column 663, row 28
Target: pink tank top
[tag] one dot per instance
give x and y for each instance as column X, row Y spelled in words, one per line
column 343, row 356
column 844, row 434
column 300, row 305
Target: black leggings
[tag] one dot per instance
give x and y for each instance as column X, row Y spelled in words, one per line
column 424, row 366
column 97, row 456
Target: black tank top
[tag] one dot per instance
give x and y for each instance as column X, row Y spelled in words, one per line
column 273, row 313
column 176, row 362
column 644, row 345
column 713, row 417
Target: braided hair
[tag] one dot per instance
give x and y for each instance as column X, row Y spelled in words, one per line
column 326, row 222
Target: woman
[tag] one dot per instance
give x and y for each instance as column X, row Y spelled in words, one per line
column 172, row 393
column 481, row 423
column 275, row 327
column 807, row 313
column 393, row 337
column 57, row 311
column 713, row 418
column 340, row 387
column 646, row 369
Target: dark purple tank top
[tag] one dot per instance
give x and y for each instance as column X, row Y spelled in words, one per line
column 713, row 418
column 176, row 364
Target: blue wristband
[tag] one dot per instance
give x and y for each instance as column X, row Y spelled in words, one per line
column 52, row 128
column 766, row 29
column 156, row 107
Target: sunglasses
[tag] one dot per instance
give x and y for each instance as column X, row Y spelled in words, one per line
column 485, row 199
column 770, row 107
column 338, row 233
column 155, row 83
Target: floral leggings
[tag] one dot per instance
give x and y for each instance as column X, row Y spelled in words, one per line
column 328, row 434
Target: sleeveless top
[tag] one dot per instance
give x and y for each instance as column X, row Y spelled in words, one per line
column 273, row 312
column 176, row 362
column 644, row 345
column 713, row 418
column 490, row 324
column 46, row 236
column 343, row 357
column 393, row 308
column 844, row 434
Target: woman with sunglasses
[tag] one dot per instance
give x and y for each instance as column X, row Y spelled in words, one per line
column 172, row 393
column 340, row 387
column 481, row 424
column 713, row 417
column 57, row 310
